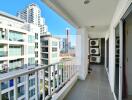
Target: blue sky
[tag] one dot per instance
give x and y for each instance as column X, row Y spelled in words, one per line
column 56, row 24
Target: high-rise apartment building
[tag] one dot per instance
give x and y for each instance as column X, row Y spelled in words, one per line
column 50, row 52
column 32, row 14
column 49, row 49
column 19, row 49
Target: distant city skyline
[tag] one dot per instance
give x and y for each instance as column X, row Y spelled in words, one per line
column 56, row 24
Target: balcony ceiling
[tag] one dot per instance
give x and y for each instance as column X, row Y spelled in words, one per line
column 97, row 13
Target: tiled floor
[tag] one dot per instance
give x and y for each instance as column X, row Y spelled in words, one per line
column 95, row 87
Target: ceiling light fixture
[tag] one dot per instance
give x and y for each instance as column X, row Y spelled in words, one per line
column 92, row 26
column 86, row 1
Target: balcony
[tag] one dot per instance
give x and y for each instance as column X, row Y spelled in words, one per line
column 111, row 20
column 93, row 19
column 16, row 36
column 56, row 81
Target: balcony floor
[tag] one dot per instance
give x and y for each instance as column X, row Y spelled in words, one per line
column 95, row 87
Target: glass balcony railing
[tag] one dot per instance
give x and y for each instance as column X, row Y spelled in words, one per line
column 39, row 85
column 16, row 36
column 3, row 53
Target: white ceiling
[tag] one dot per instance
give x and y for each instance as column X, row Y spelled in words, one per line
column 97, row 13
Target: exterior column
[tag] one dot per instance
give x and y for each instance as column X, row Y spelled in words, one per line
column 82, row 52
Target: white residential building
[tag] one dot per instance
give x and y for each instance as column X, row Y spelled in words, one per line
column 32, row 14
column 19, row 50
column 50, row 51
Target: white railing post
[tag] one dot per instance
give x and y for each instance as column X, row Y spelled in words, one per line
column 27, row 87
column 49, row 80
column 15, row 89
column 36, row 85
column 66, row 71
column 43, row 84
column 70, row 70
column 73, row 69
column 0, row 92
column 53, row 77
column 57, row 75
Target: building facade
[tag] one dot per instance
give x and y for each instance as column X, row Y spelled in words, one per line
column 19, row 49
column 49, row 49
column 50, row 52
column 32, row 14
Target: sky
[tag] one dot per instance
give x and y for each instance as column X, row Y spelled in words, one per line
column 56, row 24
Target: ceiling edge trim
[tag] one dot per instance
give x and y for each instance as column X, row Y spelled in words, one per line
column 62, row 12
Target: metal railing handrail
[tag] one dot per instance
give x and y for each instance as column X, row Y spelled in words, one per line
column 21, row 72
column 60, row 74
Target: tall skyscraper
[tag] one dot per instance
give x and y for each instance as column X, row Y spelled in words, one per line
column 66, row 42
column 32, row 14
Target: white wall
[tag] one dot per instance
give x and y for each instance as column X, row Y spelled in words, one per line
column 120, row 11
column 82, row 52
